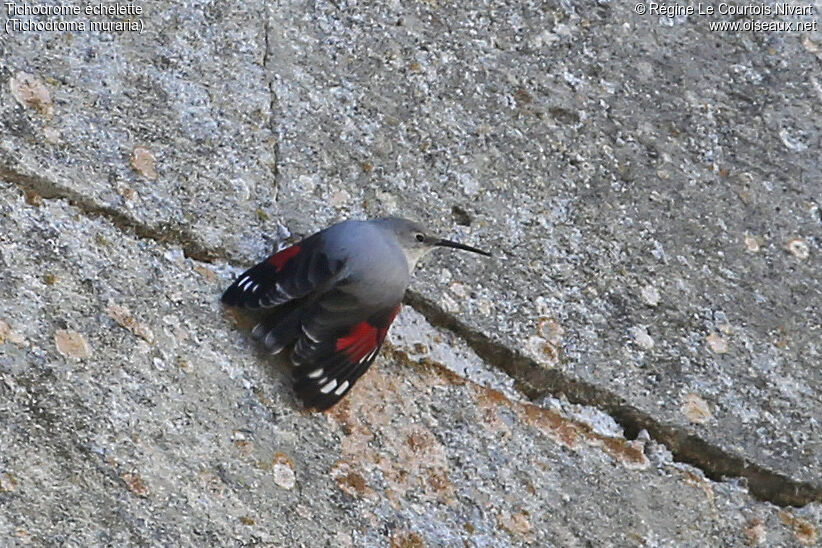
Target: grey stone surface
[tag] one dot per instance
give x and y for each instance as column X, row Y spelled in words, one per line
column 599, row 154
column 650, row 190
column 133, row 412
column 191, row 89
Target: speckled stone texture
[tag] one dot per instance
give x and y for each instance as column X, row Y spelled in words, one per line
column 620, row 170
column 650, row 190
column 161, row 427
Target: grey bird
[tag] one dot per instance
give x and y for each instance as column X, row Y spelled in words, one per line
column 333, row 296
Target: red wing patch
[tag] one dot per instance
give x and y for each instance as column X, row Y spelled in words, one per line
column 279, row 259
column 365, row 337
column 328, row 368
column 361, row 340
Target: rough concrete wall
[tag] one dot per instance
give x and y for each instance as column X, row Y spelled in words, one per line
column 649, row 324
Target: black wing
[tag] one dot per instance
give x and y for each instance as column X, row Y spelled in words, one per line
column 340, row 340
column 289, row 274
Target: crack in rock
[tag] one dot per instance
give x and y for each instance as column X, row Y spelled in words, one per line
column 536, row 382
column 273, row 99
column 531, row 379
column 40, row 186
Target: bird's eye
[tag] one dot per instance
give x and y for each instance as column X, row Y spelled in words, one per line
column 420, row 237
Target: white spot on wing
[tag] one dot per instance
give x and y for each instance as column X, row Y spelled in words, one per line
column 316, row 373
column 310, row 336
column 369, row 355
column 341, row 388
column 329, row 387
column 283, row 292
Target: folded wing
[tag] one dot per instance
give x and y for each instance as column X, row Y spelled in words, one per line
column 340, row 340
column 289, row 274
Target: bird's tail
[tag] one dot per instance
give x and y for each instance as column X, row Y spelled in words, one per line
column 281, row 328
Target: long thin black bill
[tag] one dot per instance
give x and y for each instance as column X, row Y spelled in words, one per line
column 455, row 245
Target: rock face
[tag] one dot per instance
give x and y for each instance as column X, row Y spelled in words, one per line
column 649, row 324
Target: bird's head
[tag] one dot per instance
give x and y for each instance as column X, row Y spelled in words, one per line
column 416, row 241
